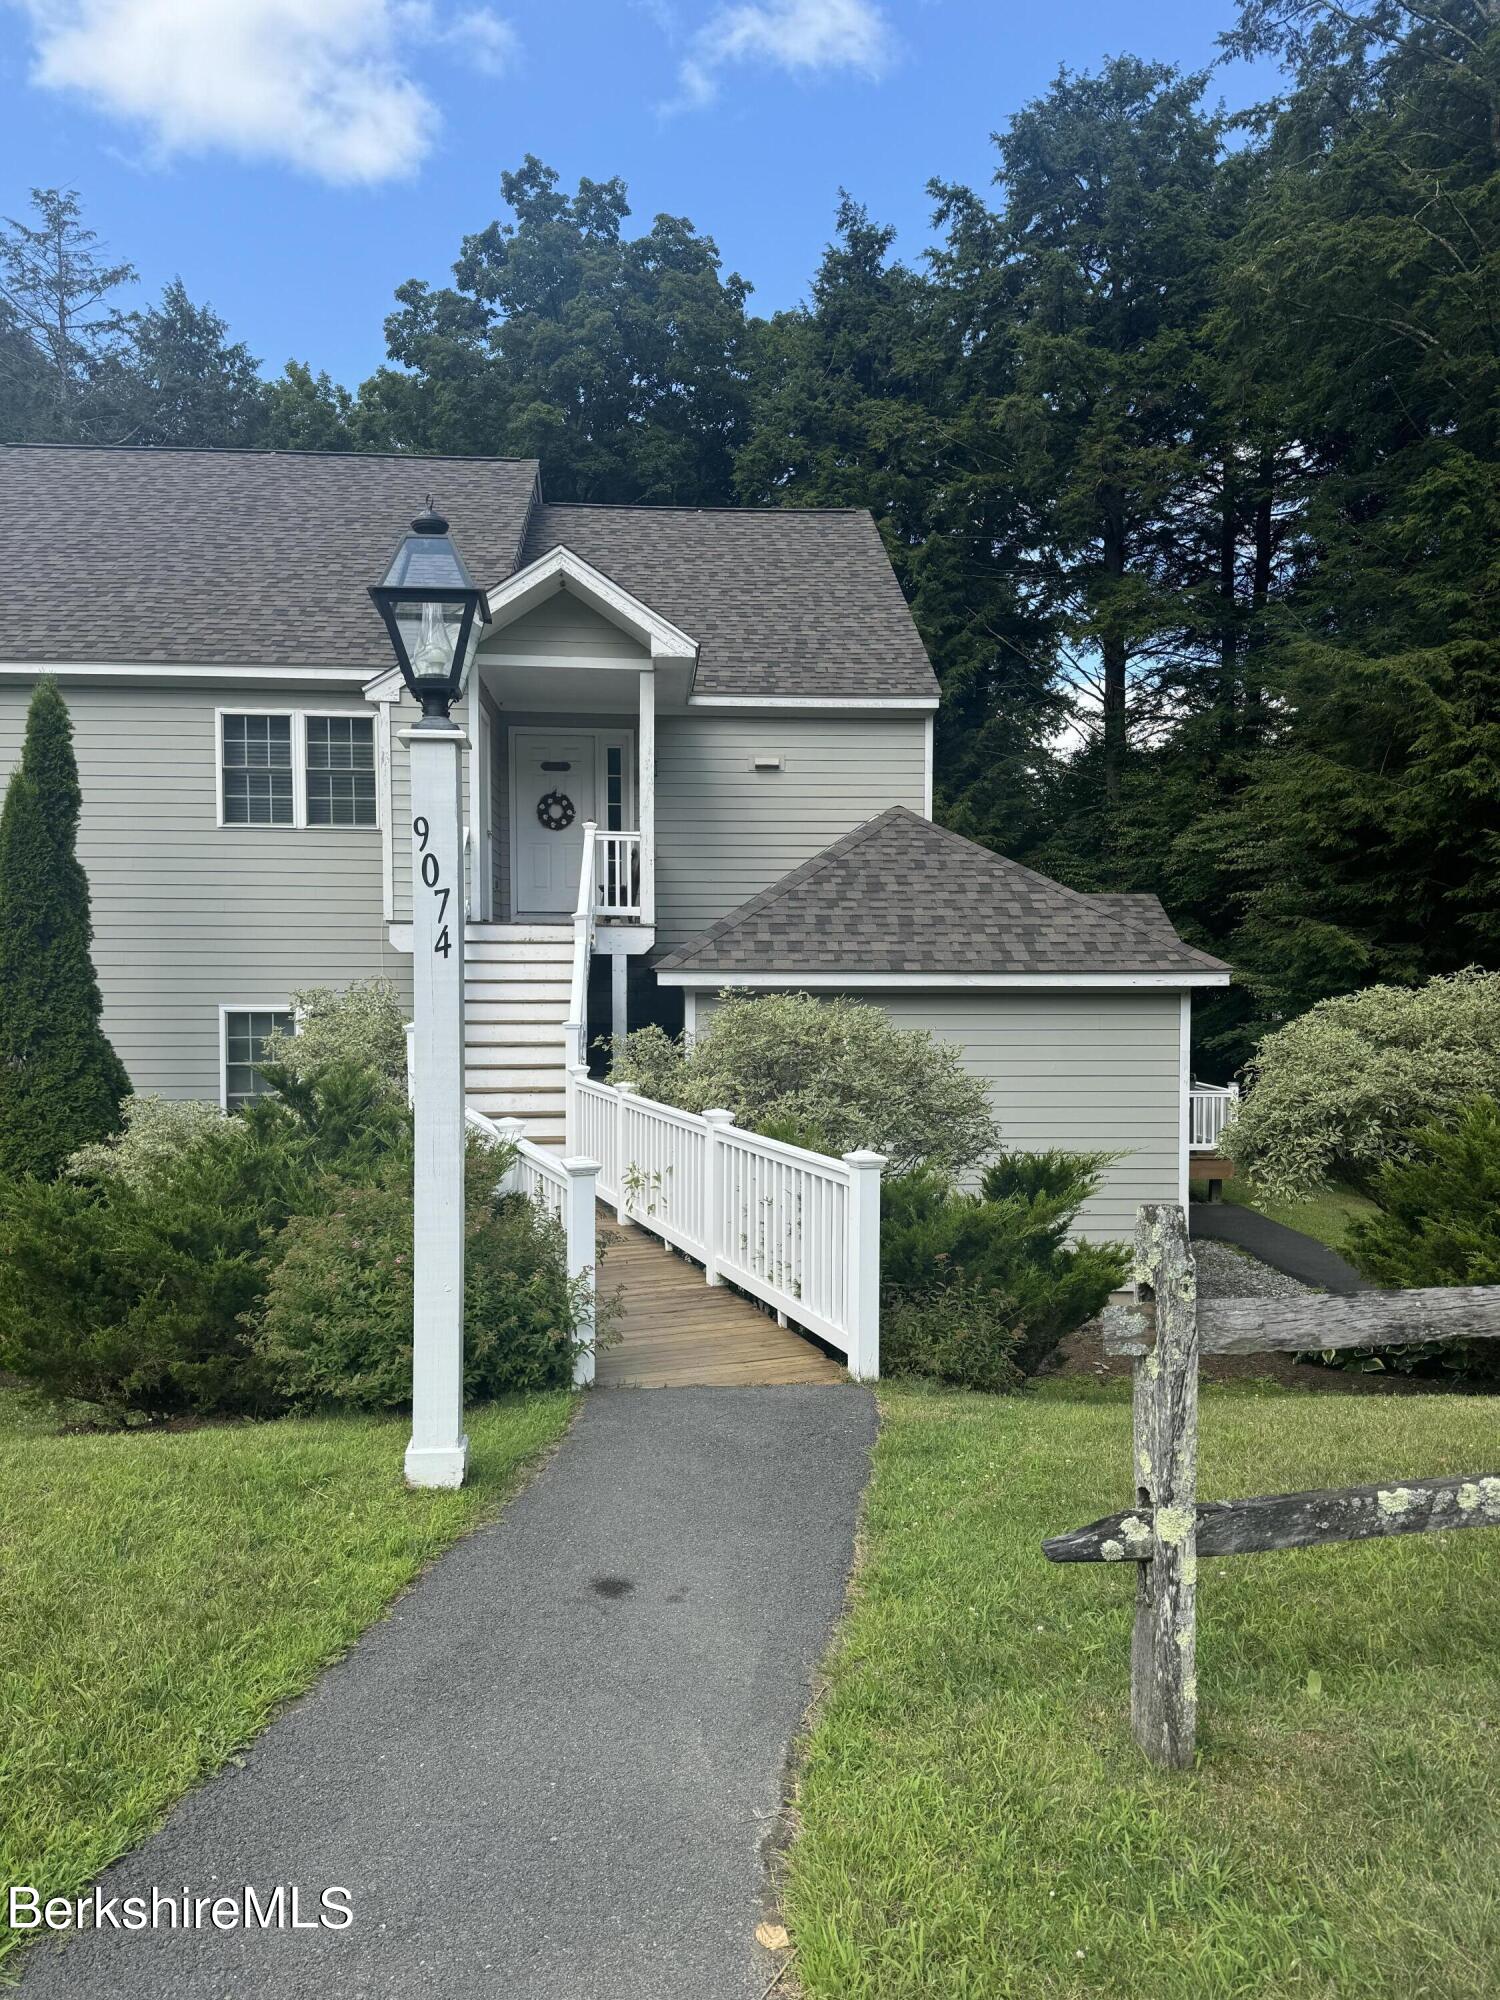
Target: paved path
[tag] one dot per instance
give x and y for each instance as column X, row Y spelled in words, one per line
column 1301, row 1257
column 548, row 1775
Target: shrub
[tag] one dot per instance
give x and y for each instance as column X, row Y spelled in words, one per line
column 953, row 1333
column 155, row 1131
column 137, row 1288
column 1335, row 1094
column 1007, row 1244
column 1439, row 1224
column 60, row 1080
column 336, row 1328
column 838, row 1072
column 364, row 1025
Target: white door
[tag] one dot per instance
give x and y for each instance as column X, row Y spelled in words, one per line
column 552, row 796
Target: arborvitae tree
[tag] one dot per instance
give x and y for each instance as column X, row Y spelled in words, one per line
column 60, row 1080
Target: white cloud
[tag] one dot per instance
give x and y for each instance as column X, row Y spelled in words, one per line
column 803, row 37
column 320, row 85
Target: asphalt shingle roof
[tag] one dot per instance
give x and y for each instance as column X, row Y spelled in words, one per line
column 900, row 894
column 782, row 601
column 247, row 558
column 238, row 558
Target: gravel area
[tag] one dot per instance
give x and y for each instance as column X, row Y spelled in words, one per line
column 1227, row 1273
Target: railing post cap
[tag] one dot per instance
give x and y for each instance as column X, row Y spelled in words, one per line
column 865, row 1158
column 578, row 1166
column 625, row 1089
column 719, row 1117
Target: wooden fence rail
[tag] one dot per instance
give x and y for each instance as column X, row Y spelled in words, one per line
column 1168, row 1529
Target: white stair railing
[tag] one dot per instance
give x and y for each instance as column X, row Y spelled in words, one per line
column 565, row 1189
column 796, row 1229
column 617, row 874
column 576, row 1032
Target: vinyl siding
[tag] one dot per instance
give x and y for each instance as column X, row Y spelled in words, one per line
column 1089, row 1072
column 725, row 831
column 402, row 715
column 189, row 915
column 562, row 625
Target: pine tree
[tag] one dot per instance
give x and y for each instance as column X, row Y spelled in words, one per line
column 60, row 1080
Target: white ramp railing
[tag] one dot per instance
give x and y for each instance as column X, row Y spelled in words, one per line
column 565, row 1189
column 796, row 1229
column 1210, row 1108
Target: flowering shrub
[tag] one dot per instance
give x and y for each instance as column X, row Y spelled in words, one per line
column 1335, row 1094
column 836, row 1072
column 364, row 1023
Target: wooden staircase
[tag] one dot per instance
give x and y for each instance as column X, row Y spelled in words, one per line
column 516, row 980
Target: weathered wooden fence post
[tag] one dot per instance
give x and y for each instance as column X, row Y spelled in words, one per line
column 1163, row 1667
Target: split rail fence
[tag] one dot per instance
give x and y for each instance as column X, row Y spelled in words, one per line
column 1168, row 1529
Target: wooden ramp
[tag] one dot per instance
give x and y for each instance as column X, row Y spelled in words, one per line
column 676, row 1331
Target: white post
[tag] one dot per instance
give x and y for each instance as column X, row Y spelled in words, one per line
column 579, row 1225
column 411, row 1064
column 512, row 1131
column 713, row 1196
column 862, row 1289
column 622, row 1091
column 438, row 1452
column 619, row 966
column 647, row 793
column 574, row 1073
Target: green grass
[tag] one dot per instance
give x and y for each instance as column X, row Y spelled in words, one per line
column 164, row 1592
column 1325, row 1215
column 974, row 1817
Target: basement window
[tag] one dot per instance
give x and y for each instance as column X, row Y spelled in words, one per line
column 244, row 1036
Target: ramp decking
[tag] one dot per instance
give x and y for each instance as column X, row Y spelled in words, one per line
column 677, row 1332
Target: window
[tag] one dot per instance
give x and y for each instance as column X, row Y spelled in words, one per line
column 258, row 770
column 245, row 1033
column 340, row 770
column 297, row 770
column 614, row 788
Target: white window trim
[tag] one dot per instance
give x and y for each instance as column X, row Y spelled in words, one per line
column 299, row 718
column 228, row 1007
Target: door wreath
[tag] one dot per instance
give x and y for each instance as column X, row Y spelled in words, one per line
column 556, row 811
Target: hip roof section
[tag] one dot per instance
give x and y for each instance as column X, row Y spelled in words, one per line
column 902, row 896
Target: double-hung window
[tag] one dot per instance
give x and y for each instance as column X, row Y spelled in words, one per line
column 246, row 1031
column 258, row 770
column 297, row 770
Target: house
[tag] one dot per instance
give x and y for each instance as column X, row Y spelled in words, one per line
column 728, row 712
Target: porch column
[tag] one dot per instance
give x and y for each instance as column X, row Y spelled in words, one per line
column 647, row 793
column 619, row 966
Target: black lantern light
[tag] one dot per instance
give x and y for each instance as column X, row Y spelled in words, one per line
column 433, row 614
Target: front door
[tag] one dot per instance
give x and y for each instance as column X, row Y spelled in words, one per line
column 552, row 796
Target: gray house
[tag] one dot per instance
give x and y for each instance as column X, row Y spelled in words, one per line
column 728, row 713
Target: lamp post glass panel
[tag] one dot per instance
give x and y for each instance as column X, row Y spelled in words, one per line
column 434, row 616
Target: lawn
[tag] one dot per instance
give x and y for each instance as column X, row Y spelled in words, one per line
column 1325, row 1215
column 165, row 1591
column 974, row 1817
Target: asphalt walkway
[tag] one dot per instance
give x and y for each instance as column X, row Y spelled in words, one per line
column 1301, row 1257
column 549, row 1775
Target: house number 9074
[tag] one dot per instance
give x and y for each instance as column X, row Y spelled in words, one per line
column 432, row 877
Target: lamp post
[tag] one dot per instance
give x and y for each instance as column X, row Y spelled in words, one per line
column 434, row 614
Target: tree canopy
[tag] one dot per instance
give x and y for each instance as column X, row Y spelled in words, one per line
column 1182, row 439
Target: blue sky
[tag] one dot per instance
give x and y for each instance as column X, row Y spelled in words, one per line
column 294, row 160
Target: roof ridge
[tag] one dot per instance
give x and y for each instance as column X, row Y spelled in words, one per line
column 757, row 513
column 265, row 451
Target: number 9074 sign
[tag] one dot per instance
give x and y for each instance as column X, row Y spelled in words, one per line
column 432, row 881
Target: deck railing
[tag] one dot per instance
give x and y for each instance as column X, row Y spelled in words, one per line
column 1210, row 1108
column 795, row 1229
column 565, row 1189
column 617, row 874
